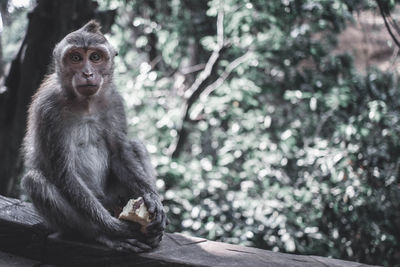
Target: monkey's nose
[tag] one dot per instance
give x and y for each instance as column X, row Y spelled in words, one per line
column 88, row 74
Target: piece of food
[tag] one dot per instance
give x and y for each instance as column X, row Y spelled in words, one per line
column 136, row 211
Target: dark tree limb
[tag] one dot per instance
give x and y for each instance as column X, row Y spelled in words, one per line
column 48, row 23
column 218, row 82
column 389, row 21
column 199, row 85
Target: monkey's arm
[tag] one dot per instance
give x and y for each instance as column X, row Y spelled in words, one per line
column 132, row 167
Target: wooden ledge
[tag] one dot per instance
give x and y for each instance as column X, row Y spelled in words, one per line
column 25, row 241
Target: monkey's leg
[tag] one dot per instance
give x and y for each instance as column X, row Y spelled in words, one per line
column 54, row 207
column 63, row 217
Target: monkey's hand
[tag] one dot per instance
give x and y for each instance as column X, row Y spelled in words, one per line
column 129, row 229
column 155, row 229
column 136, row 236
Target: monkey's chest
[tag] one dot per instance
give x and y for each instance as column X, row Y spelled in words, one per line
column 91, row 159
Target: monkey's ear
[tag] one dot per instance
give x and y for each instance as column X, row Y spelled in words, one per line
column 92, row 26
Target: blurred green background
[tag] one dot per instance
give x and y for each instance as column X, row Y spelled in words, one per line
column 287, row 115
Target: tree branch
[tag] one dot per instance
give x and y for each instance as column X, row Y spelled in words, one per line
column 191, row 69
column 385, row 15
column 209, row 89
column 199, row 85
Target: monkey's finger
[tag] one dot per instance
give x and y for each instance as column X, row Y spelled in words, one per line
column 134, row 226
column 119, row 245
column 156, row 230
column 155, row 235
column 154, row 242
column 138, row 244
column 150, row 203
column 152, row 207
column 164, row 219
column 129, row 248
column 156, row 223
column 154, row 238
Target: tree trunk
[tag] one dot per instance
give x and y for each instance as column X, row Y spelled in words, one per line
column 49, row 22
column 4, row 21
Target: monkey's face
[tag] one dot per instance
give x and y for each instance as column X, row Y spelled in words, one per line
column 86, row 67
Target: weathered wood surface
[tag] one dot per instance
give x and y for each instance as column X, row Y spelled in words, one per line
column 24, row 240
column 10, row 260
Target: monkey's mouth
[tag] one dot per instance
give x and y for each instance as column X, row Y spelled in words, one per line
column 87, row 89
column 88, row 85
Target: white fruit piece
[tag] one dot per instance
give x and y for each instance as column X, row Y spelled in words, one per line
column 135, row 210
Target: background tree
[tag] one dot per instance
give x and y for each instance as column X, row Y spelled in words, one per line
column 263, row 132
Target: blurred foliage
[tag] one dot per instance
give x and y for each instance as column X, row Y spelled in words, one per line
column 14, row 30
column 295, row 151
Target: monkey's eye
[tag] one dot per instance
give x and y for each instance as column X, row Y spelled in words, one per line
column 95, row 57
column 75, row 58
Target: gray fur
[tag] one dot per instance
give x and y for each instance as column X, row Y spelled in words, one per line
column 80, row 165
column 92, row 26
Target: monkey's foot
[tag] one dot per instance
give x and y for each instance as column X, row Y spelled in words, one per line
column 127, row 245
column 155, row 240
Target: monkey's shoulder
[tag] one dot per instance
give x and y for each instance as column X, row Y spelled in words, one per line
column 44, row 107
column 48, row 95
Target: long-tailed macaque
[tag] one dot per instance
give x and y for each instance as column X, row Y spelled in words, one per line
column 80, row 166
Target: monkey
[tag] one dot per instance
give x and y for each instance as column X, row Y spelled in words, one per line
column 80, row 166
